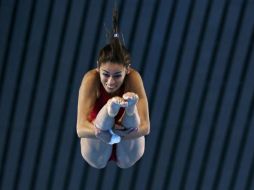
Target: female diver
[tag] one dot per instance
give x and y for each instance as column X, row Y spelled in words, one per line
column 113, row 115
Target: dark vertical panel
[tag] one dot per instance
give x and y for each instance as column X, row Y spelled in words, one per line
column 139, row 30
column 205, row 92
column 250, row 176
column 5, row 18
column 17, row 89
column 189, row 91
column 247, row 123
column 18, row 85
column 49, row 103
column 95, row 46
column 4, row 62
column 180, row 51
column 57, row 121
column 233, row 113
column 9, row 41
column 198, row 125
column 218, row 108
column 151, row 29
column 30, row 111
column 61, row 127
column 133, row 32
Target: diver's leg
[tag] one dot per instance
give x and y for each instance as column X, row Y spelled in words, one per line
column 131, row 118
column 95, row 152
column 128, row 152
column 105, row 120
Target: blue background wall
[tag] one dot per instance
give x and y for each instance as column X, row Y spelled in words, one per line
column 196, row 58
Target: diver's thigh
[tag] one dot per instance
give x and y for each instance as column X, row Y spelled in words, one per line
column 130, row 151
column 95, row 152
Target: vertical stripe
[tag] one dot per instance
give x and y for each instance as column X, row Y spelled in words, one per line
column 44, row 126
column 233, row 113
column 250, row 176
column 18, row 84
column 29, row 114
column 134, row 25
column 246, row 130
column 194, row 63
column 4, row 62
column 7, row 48
column 60, row 127
column 15, row 98
column 74, row 62
column 167, row 179
column 211, row 132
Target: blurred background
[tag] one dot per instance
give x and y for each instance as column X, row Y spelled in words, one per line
column 196, row 59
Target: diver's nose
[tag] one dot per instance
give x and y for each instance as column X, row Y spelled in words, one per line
column 111, row 81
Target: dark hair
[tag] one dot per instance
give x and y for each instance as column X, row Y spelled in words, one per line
column 114, row 51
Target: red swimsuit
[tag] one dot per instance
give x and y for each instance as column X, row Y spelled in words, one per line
column 100, row 102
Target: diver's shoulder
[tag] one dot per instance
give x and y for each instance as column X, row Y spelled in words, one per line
column 134, row 74
column 91, row 77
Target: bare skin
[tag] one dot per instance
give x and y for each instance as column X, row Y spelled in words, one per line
column 95, row 150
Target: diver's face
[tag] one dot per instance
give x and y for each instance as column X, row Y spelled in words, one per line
column 112, row 76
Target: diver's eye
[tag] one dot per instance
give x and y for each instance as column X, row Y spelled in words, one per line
column 106, row 75
column 117, row 76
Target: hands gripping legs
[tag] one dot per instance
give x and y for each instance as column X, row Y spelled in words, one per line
column 105, row 121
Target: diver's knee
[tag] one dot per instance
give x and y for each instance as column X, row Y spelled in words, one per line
column 95, row 160
column 129, row 161
column 98, row 163
column 125, row 165
column 96, row 154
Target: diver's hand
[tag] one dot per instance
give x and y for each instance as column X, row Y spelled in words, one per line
column 104, row 136
column 108, row 136
column 124, row 132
